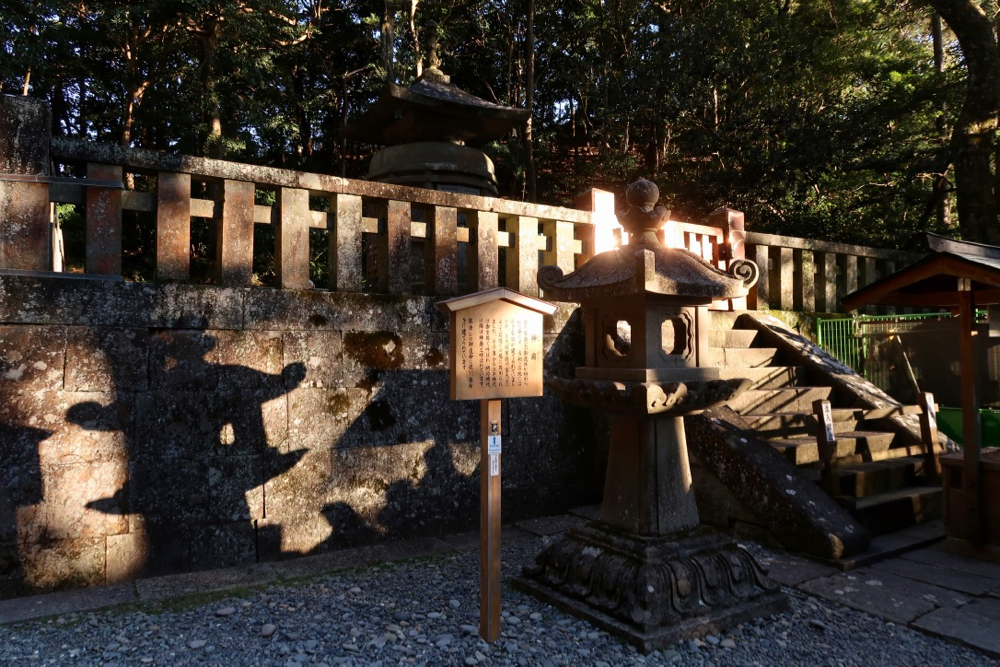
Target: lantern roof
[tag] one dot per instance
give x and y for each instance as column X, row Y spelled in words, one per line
column 645, row 266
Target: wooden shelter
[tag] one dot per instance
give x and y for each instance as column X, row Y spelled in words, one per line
column 963, row 277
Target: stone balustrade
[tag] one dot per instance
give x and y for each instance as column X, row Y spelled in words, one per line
column 463, row 243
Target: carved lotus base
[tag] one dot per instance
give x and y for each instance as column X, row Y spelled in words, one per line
column 652, row 591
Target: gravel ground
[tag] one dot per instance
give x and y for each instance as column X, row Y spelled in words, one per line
column 425, row 611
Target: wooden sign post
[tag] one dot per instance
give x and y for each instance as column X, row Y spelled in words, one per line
column 496, row 352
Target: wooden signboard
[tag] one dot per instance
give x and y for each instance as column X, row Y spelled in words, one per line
column 496, row 344
column 495, row 353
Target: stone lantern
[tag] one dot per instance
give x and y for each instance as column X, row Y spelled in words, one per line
column 646, row 569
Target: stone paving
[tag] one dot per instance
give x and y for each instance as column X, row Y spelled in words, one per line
column 953, row 597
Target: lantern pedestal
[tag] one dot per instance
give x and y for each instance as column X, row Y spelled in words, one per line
column 646, row 570
column 652, row 591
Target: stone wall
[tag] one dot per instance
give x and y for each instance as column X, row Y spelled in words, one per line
column 159, row 428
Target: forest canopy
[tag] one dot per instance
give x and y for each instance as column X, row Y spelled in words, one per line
column 828, row 119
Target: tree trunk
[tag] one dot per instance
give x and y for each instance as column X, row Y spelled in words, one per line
column 529, row 103
column 972, row 136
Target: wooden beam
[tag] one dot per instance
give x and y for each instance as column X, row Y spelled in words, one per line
column 970, row 414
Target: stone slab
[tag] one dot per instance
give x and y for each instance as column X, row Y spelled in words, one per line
column 882, row 594
column 64, row 602
column 191, row 583
column 964, row 627
column 106, row 359
column 946, row 577
column 988, row 607
column 544, row 526
column 315, row 310
column 82, row 302
column 792, row 571
column 588, row 512
column 31, row 357
column 937, row 556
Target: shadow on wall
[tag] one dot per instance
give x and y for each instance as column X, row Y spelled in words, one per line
column 198, row 449
column 182, row 449
column 21, row 481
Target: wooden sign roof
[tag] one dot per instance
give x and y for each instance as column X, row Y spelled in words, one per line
column 497, row 294
column 935, row 281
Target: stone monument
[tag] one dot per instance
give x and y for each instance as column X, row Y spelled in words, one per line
column 646, row 570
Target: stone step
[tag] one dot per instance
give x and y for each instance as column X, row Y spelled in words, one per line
column 768, row 377
column 861, row 480
column 747, row 357
column 895, row 452
column 784, row 424
column 853, row 447
column 797, row 399
column 731, row 337
column 722, row 319
column 896, row 509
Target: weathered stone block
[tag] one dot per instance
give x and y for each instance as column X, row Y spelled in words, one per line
column 82, row 302
column 320, row 351
column 197, row 425
column 318, row 418
column 412, row 406
column 294, row 492
column 63, row 564
column 31, row 357
column 126, row 557
column 285, row 538
column 176, row 492
column 85, row 500
column 183, row 360
column 249, row 360
column 106, row 359
column 221, row 545
column 18, row 443
column 235, row 488
column 59, row 427
column 21, row 491
column 273, row 310
column 368, row 354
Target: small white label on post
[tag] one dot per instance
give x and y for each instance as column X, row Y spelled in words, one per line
column 494, row 464
column 493, row 444
column 828, row 422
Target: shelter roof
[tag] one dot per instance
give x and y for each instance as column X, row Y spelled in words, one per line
column 935, row 280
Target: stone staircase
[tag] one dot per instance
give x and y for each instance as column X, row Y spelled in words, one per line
column 880, row 476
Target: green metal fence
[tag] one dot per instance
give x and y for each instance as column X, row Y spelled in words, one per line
column 860, row 341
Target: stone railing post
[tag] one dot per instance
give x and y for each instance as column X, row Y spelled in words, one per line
column 522, row 258
column 104, row 222
column 483, row 256
column 234, row 231
column 394, row 249
column 291, row 239
column 173, row 226
column 441, row 251
column 733, row 226
column 25, row 134
column 605, row 233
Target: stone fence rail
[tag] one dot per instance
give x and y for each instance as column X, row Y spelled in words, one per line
column 380, row 237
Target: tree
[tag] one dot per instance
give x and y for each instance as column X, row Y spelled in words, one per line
column 973, row 133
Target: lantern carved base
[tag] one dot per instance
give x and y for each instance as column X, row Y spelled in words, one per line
column 652, row 591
